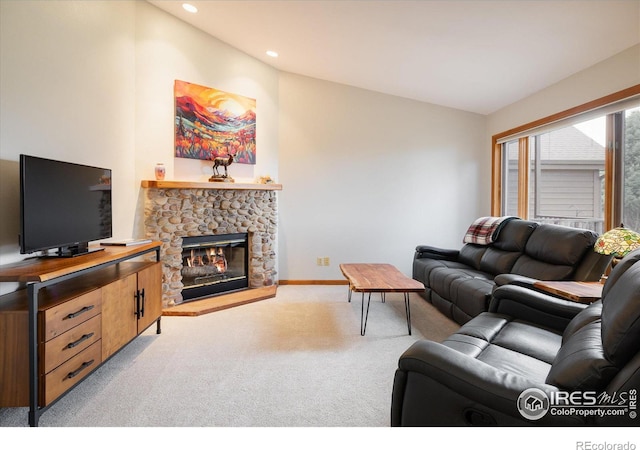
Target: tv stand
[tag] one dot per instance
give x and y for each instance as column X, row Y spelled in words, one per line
column 72, row 317
column 72, row 251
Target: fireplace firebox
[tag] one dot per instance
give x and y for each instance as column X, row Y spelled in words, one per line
column 214, row 265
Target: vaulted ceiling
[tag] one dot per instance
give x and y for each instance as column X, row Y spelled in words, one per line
column 474, row 55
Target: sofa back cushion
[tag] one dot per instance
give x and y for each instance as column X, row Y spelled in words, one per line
column 553, row 252
column 514, row 235
column 533, row 268
column 619, row 270
column 496, row 261
column 471, row 254
column 499, row 256
column 581, row 363
column 621, row 316
column 592, row 313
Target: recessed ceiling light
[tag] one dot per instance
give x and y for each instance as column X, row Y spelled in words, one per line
column 272, row 53
column 190, row 8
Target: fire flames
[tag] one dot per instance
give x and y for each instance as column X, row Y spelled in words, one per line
column 210, row 257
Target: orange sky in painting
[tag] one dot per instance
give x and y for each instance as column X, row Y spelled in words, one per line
column 210, row 97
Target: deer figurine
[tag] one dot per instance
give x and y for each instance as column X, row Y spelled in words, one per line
column 224, row 161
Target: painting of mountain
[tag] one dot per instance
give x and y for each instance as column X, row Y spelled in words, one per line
column 211, row 123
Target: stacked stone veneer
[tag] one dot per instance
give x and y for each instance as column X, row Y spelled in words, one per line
column 171, row 214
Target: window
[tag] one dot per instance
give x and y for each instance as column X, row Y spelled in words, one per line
column 510, row 179
column 567, row 176
column 631, row 169
column 579, row 168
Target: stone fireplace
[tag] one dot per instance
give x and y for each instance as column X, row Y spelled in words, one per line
column 175, row 212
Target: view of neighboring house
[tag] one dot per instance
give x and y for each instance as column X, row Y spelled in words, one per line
column 565, row 179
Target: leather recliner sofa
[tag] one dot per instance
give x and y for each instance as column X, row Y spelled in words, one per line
column 459, row 283
column 499, row 367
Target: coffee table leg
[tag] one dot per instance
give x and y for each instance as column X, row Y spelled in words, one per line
column 363, row 325
column 349, row 295
column 407, row 307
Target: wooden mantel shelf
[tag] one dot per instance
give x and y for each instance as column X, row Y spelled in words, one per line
column 210, row 185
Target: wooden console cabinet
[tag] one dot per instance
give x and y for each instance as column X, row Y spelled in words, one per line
column 73, row 315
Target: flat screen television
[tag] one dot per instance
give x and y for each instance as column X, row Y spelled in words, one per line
column 63, row 206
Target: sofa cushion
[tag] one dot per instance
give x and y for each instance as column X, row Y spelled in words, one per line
column 515, row 363
column 441, row 279
column 471, row 294
column 422, row 268
column 513, row 346
column 532, row 340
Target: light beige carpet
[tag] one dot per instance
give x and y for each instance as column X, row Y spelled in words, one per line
column 296, row 360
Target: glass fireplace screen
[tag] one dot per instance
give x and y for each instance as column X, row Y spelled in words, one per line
column 213, row 264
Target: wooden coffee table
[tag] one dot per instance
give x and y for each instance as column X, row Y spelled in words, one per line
column 383, row 278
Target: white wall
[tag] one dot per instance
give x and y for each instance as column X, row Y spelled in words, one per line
column 614, row 74
column 168, row 49
column 368, row 176
column 67, row 84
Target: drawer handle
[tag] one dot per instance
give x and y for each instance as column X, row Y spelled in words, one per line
column 80, row 369
column 82, row 339
column 82, row 311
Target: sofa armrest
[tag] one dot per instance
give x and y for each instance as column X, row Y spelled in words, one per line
column 468, row 377
column 512, row 278
column 534, row 306
column 426, row 251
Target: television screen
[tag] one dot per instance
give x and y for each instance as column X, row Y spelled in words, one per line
column 63, row 205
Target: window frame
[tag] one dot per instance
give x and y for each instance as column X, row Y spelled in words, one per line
column 613, row 179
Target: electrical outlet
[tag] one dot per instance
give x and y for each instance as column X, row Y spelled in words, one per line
column 323, row 261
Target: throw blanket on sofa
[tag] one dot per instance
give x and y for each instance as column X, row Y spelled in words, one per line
column 485, row 230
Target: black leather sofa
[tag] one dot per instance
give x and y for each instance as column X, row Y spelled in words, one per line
column 529, row 346
column 459, row 283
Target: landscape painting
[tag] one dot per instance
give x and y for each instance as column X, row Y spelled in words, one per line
column 210, row 123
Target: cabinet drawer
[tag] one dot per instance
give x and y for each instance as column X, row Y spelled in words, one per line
column 71, row 372
column 63, row 317
column 69, row 344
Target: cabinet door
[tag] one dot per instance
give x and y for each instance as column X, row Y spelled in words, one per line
column 119, row 323
column 150, row 287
